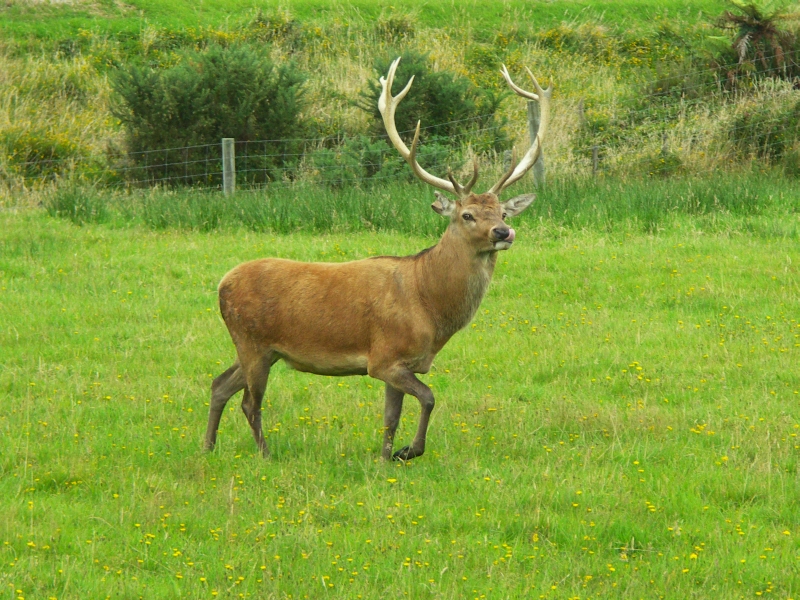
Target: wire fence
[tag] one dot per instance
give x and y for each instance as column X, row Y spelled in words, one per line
column 697, row 118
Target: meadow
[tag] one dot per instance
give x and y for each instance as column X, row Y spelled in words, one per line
column 619, row 420
column 24, row 20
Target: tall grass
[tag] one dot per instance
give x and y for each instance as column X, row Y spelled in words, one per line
column 605, row 204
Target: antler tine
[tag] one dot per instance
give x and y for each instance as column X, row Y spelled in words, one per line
column 423, row 174
column 473, row 181
column 508, row 173
column 464, row 190
column 532, row 155
column 387, row 106
column 460, row 190
column 516, row 88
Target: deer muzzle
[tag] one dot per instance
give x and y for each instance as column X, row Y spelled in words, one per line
column 504, row 237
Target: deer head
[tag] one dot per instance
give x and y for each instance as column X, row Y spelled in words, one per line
column 479, row 218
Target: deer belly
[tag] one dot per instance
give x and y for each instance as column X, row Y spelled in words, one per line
column 328, row 364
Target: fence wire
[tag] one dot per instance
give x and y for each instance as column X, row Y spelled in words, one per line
column 641, row 140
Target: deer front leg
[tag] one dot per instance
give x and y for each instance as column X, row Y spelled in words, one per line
column 403, row 381
column 391, row 418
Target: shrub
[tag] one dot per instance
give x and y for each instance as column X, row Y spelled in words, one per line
column 36, row 153
column 452, row 110
column 361, row 161
column 592, row 41
column 276, row 26
column 765, row 132
column 663, row 164
column 764, row 43
column 791, row 161
column 395, row 26
column 221, row 92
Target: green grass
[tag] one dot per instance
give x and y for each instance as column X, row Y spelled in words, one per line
column 720, row 202
column 21, row 20
column 620, row 420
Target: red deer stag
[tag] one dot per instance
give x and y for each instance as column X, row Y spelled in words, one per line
column 385, row 316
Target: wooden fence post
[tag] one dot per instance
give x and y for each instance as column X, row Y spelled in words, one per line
column 533, row 131
column 228, row 166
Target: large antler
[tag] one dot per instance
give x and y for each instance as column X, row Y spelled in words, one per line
column 387, row 105
column 532, row 155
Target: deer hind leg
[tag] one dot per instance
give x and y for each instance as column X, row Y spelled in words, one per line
column 257, row 376
column 404, row 381
column 222, row 388
column 391, row 418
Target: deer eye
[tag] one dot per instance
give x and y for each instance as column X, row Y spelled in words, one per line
column 467, row 217
column 505, row 216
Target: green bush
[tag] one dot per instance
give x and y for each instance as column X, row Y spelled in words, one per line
column 220, row 92
column 791, row 161
column 663, row 164
column 764, row 131
column 362, row 161
column 37, row 153
column 276, row 26
column 394, row 26
column 451, row 109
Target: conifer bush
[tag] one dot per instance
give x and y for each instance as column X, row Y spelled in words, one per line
column 454, row 113
column 219, row 92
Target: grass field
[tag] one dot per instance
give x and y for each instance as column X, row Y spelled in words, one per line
column 21, row 19
column 620, row 420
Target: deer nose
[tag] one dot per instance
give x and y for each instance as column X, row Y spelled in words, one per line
column 500, row 233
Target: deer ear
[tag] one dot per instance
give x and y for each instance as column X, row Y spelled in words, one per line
column 516, row 205
column 443, row 205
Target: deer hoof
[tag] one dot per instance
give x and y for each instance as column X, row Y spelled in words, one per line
column 403, row 454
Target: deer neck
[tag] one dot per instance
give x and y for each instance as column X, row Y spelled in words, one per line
column 452, row 279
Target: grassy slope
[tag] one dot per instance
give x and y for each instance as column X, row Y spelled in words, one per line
column 20, row 20
column 621, row 419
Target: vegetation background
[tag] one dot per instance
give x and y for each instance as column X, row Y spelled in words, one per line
column 658, row 88
column 620, row 419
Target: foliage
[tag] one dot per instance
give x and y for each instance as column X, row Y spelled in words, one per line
column 37, row 152
column 791, row 161
column 663, row 164
column 675, row 81
column 276, row 26
column 323, row 202
column 220, row 92
column 358, row 161
column 448, row 106
column 394, row 26
column 765, row 132
column 763, row 42
column 79, row 204
column 589, row 39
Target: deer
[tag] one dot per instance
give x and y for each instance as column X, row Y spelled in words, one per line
column 386, row 316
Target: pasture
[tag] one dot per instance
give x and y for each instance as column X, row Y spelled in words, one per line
column 620, row 420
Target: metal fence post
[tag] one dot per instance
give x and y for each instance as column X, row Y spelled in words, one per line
column 228, row 166
column 533, row 131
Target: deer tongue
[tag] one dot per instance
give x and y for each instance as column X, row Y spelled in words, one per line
column 511, row 235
